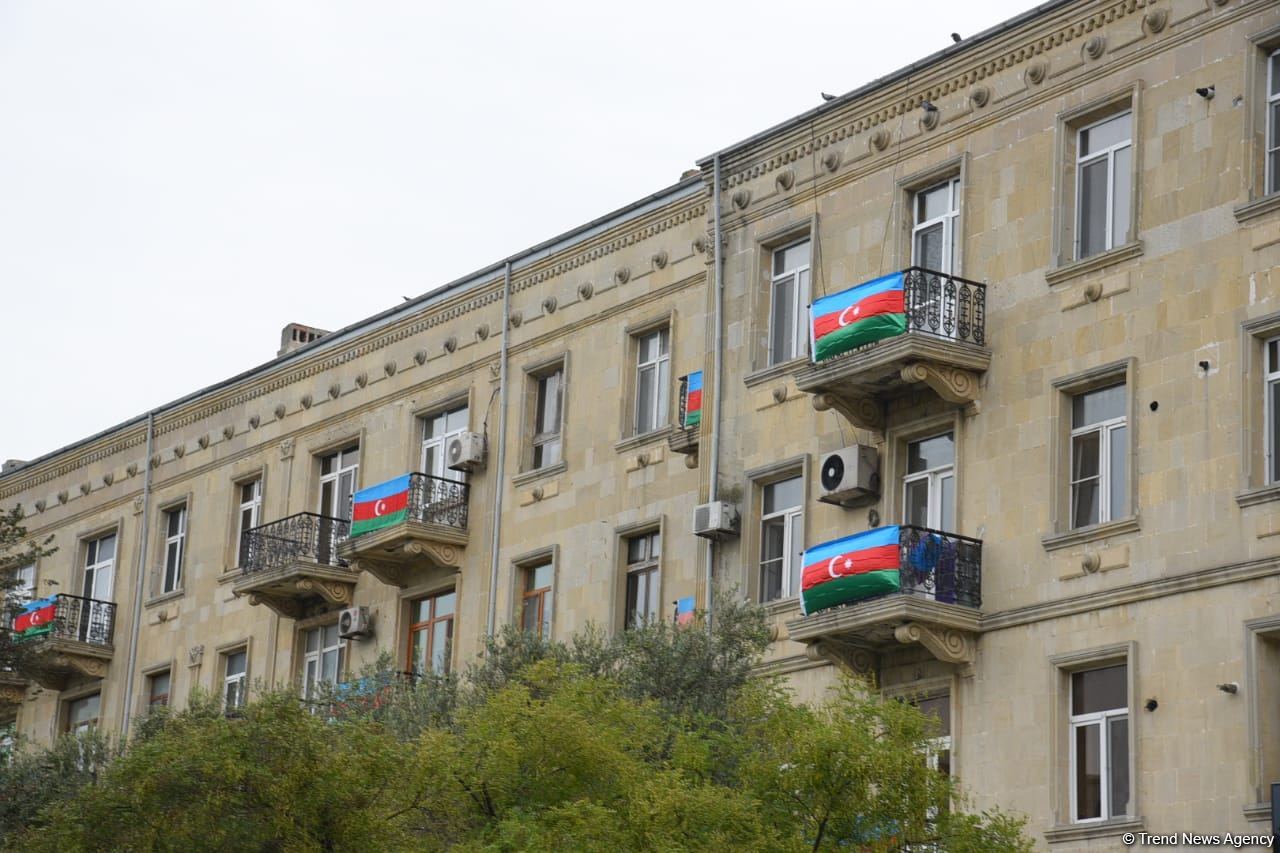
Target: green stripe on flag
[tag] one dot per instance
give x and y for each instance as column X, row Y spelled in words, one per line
column 693, row 418
column 854, row 335
column 849, row 588
column 32, row 633
column 368, row 524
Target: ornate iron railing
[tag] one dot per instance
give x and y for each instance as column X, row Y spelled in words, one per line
column 941, row 566
column 86, row 620
column 305, row 536
column 945, row 306
column 438, row 500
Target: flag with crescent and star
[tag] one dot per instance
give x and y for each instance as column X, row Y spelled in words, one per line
column 850, row 569
column 36, row 617
column 380, row 506
column 693, row 399
column 860, row 315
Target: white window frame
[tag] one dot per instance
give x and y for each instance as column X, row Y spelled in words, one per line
column 316, row 658
column 788, row 515
column 93, row 568
column 649, row 564
column 151, row 689
column 238, row 681
column 1103, row 720
column 92, row 723
column 175, row 546
column 24, row 589
column 1273, row 133
column 252, row 506
column 948, row 220
column 440, row 443
column 1271, row 378
column 934, row 476
column 556, row 436
column 657, row 405
column 1106, row 512
column 1083, row 160
column 341, row 505
column 800, row 301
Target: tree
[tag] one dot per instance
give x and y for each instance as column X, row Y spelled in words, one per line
column 17, row 549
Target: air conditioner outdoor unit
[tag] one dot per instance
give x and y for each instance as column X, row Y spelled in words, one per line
column 465, row 451
column 850, row 474
column 717, row 520
column 354, row 622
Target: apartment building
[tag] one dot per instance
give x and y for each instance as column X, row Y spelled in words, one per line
column 1071, row 441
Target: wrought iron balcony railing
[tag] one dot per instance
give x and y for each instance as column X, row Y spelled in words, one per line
column 945, row 306
column 305, row 536
column 944, row 567
column 84, row 620
column 438, row 500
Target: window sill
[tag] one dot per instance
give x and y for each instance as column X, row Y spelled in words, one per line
column 229, row 574
column 538, row 473
column 1260, row 495
column 773, row 371
column 651, row 437
column 1097, row 829
column 1257, row 812
column 782, row 606
column 1257, row 208
column 1093, row 263
column 1091, row 533
column 161, row 599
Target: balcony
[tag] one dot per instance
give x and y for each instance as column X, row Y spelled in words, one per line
column 293, row 566
column 942, row 347
column 684, row 432
column 72, row 640
column 424, row 537
column 936, row 604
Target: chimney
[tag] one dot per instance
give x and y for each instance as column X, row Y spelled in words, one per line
column 690, row 173
column 11, row 465
column 296, row 335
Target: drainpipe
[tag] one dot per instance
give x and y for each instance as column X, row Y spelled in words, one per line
column 717, row 371
column 500, row 468
column 142, row 574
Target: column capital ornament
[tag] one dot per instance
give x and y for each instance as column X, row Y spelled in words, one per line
column 862, row 412
column 953, row 384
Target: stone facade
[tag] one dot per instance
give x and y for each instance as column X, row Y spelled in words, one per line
column 1180, row 581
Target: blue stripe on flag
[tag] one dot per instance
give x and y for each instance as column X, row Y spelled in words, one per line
column 877, row 538
column 39, row 603
column 695, row 381
column 854, row 295
column 382, row 490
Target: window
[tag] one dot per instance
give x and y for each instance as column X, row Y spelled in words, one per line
column 781, row 538
column 1271, row 408
column 436, row 431
column 175, row 544
column 1099, row 456
column 936, row 212
column 24, row 588
column 788, row 303
column 322, row 659
column 643, row 553
column 1104, row 157
column 249, row 516
column 1273, row 122
column 929, row 486
column 535, row 599
column 548, row 418
column 338, row 482
column 158, row 690
column 1099, row 738
column 235, row 687
column 431, row 632
column 939, row 747
column 653, row 380
column 82, row 714
column 99, row 567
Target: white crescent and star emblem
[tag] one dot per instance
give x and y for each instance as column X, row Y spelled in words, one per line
column 856, row 309
column 831, row 565
column 379, row 508
column 35, row 618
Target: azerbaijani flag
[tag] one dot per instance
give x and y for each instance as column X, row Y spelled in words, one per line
column 693, row 399
column 860, row 315
column 380, row 506
column 850, row 569
column 684, row 611
column 36, row 617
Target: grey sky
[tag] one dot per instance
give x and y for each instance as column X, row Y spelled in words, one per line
column 178, row 180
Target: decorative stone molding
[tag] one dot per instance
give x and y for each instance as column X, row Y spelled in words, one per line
column 780, row 394
column 390, row 367
column 482, row 331
column 980, row 96
column 785, row 180
column 450, row 343
column 40, row 505
column 362, row 379
column 859, row 411
column 1213, row 3
column 335, row 390
column 515, row 319
column 549, row 305
column 306, row 401
column 333, row 592
column 1090, row 562
column 831, row 161
column 1036, row 72
column 254, row 420
column 137, row 505
column 854, row 659
column 1095, row 46
column 155, row 460
column 950, row 383
column 203, row 441
column 229, row 432
column 537, row 493
column 929, row 120
column 878, row 141
column 108, row 478
column 195, row 656
column 946, row 644
column 741, row 198
column 286, row 448
column 131, row 469
column 495, row 370
column 1155, row 20
column 420, row 357
column 179, row 451
column 699, row 245
column 659, row 259
column 622, row 275
column 280, row 411
column 86, row 487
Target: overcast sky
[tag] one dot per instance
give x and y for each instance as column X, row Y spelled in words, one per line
column 179, row 180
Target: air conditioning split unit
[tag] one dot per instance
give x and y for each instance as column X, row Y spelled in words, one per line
column 850, row 475
column 353, row 623
column 717, row 520
column 465, row 451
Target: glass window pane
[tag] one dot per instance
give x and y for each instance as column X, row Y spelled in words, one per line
column 330, row 635
column 441, row 634
column 1084, row 455
column 540, row 577
column 785, row 260
column 933, row 202
column 1118, row 468
column 646, row 414
column 938, row 707
column 1274, row 414
column 1105, row 689
column 771, row 580
column 1094, row 407
column 663, row 392
column 636, row 549
column 457, row 419
column 1121, row 164
column 1118, row 764
column 915, row 504
column 235, row 664
column 329, row 666
column 782, row 321
column 106, row 548
column 928, row 248
column 931, row 453
column 418, row 655
column 784, row 494
column 327, row 463
column 1084, row 503
column 796, row 557
column 446, row 604
column 313, row 640
column 655, row 545
column 1273, row 356
column 947, row 510
column 529, row 615
column 1092, row 218
column 1275, row 73
column 1088, row 772
column 1105, row 134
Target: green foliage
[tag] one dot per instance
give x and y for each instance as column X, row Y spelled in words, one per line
column 32, row 779
column 17, row 549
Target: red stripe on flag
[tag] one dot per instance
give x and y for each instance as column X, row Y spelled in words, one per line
column 852, row 563
column 694, row 402
column 383, row 506
column 35, row 618
column 889, row 302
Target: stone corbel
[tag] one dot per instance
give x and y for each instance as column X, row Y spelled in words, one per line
column 953, row 384
column 86, row 666
column 12, row 694
column 334, row 592
column 853, row 659
column 286, row 607
column 947, row 644
column 862, row 412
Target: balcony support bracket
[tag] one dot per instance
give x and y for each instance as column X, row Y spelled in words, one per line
column 862, row 412
column 949, row 645
column 854, row 659
column 953, row 384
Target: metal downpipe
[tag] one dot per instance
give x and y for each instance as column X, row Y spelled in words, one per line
column 717, row 371
column 142, row 574
column 500, row 472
